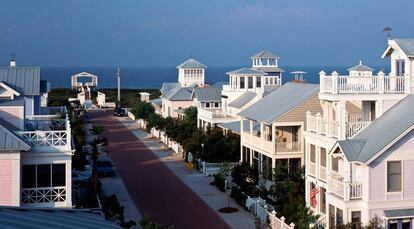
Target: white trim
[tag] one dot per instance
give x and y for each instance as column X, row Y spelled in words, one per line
column 401, row 192
column 9, row 89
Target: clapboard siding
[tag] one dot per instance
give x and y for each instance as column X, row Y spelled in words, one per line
column 298, row 114
column 6, row 182
column 408, row 179
column 377, row 189
column 353, row 108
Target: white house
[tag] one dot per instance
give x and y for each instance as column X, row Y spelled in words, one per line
column 352, row 145
column 272, row 128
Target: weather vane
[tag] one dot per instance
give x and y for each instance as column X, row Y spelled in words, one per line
column 387, row 30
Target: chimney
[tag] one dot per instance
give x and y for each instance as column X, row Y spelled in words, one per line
column 13, row 60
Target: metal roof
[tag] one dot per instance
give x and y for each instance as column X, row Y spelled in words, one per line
column 51, row 218
column 360, row 68
column 9, row 141
column 269, row 69
column 264, row 54
column 399, row 213
column 207, row 94
column 234, row 126
column 17, row 101
column 25, row 80
column 407, row 46
column 247, row 72
column 168, row 86
column 365, row 145
column 269, row 89
column 156, row 101
column 280, row 101
column 191, row 63
column 180, row 94
column 220, row 84
column 243, row 99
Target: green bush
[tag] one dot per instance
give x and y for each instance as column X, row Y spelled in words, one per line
column 147, row 223
column 238, row 195
column 219, row 181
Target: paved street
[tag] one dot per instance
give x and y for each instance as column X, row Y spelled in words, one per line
column 153, row 187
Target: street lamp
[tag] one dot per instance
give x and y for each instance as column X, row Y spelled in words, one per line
column 202, row 148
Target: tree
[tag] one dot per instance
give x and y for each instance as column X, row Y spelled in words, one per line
column 142, row 110
column 155, row 120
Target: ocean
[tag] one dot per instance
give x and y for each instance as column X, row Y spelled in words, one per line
column 153, row 77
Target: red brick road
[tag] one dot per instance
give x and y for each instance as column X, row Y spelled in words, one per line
column 153, row 187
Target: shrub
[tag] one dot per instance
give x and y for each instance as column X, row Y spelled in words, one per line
column 147, row 223
column 219, row 181
column 238, row 195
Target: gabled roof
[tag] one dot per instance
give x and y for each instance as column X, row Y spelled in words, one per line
column 207, row 94
column 191, row 63
column 8, row 88
column 168, row 86
column 9, row 141
column 406, row 46
column 234, row 126
column 180, row 94
column 243, row 99
column 247, row 72
column 17, row 101
column 381, row 134
column 264, row 54
column 48, row 218
column 279, row 102
column 157, row 101
column 360, row 68
column 25, row 80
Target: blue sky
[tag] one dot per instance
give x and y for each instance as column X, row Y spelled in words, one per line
column 216, row 32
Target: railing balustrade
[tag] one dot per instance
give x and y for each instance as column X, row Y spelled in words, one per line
column 287, row 147
column 43, row 195
column 344, row 189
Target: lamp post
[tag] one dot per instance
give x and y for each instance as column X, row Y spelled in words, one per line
column 202, row 148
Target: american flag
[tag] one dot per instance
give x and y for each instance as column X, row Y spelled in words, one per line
column 313, row 193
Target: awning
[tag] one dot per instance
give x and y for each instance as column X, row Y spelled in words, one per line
column 399, row 213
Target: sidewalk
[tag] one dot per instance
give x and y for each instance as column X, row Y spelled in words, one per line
column 195, row 180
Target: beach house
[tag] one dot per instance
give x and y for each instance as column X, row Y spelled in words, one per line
column 359, row 156
column 245, row 87
column 35, row 143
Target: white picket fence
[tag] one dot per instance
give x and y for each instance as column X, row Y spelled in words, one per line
column 259, row 209
column 213, row 168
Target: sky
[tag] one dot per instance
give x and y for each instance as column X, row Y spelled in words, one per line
column 215, row 32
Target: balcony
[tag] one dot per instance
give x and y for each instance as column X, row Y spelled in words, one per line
column 282, row 147
column 43, row 195
column 380, row 84
column 330, row 128
column 346, row 190
column 212, row 113
column 45, row 132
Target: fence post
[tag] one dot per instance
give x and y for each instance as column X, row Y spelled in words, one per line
column 282, row 221
column 292, row 225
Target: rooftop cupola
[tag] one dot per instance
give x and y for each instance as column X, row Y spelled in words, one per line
column 264, row 59
column 191, row 72
column 360, row 70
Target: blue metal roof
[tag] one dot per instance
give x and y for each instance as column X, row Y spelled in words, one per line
column 407, row 46
column 234, row 126
column 264, row 54
column 191, row 63
column 243, row 99
column 247, row 72
column 207, row 94
column 9, row 141
column 399, row 213
column 51, row 218
column 180, row 94
column 168, row 86
column 280, row 101
column 25, row 80
column 380, row 133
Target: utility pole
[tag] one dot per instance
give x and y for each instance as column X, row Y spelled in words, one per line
column 119, row 86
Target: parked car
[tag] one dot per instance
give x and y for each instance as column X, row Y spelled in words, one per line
column 119, row 111
column 104, row 167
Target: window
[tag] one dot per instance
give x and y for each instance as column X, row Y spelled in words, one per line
column 258, row 81
column 207, row 105
column 332, row 216
column 312, row 153
column 400, row 67
column 339, row 216
column 335, row 164
column 250, row 82
column 394, row 176
column 356, row 219
column 29, row 176
column 58, row 175
column 246, row 154
column 323, row 157
column 43, row 176
column 242, row 83
column 323, row 199
column 216, row 104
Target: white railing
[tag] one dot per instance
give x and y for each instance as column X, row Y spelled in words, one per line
column 353, row 128
column 330, row 128
column 43, row 195
column 287, row 147
column 214, row 168
column 48, row 133
column 259, row 208
column 376, row 84
column 344, row 189
column 211, row 113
